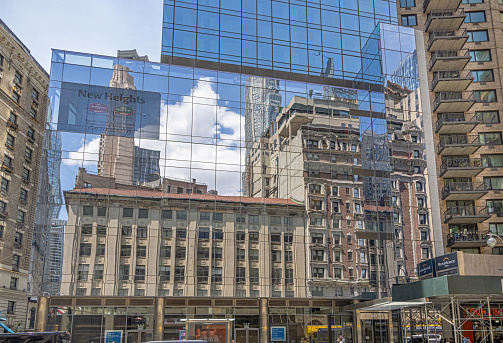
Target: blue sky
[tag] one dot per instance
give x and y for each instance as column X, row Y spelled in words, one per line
column 97, row 26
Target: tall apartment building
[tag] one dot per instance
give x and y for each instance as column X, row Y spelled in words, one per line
column 23, row 103
column 465, row 84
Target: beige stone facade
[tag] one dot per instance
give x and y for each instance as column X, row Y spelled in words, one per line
column 23, row 102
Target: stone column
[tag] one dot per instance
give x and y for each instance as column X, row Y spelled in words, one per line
column 264, row 320
column 42, row 313
column 159, row 319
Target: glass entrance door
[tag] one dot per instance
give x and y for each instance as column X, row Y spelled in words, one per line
column 246, row 335
column 138, row 336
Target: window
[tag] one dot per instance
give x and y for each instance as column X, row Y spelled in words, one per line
column 318, row 255
column 20, row 216
column 289, row 276
column 181, row 233
column 124, row 272
column 494, row 206
column 11, row 305
column 165, row 252
column 139, row 274
column 167, row 214
column 85, row 249
column 317, row 291
column 181, row 215
column 18, row 238
column 15, row 261
column 26, row 174
column 240, row 236
column 277, row 275
column 497, row 251
column 125, row 250
column 205, row 216
column 254, row 275
column 253, row 254
column 126, row 231
column 480, row 55
column 216, row 275
column 488, row 117
column 166, row 232
column 240, row 274
column 419, row 186
column 482, row 75
column 316, row 221
column 216, row 253
column 364, row 273
column 34, row 94
column 15, row 95
column 409, row 20
column 492, row 160
column 407, row 3
column 475, row 17
column 101, row 230
column 217, row 234
column 180, row 252
column 18, row 77
column 485, row 96
column 490, row 138
column 276, row 237
column 98, row 272
column 493, row 182
column 317, row 238
column 87, row 210
column 33, row 113
column 276, row 256
column 164, row 273
column 253, row 219
column 5, row 185
column 496, row 228
column 318, row 273
column 143, row 213
column 102, row 211
column 141, row 251
column 83, row 272
column 204, row 233
column 253, row 236
column 141, row 232
column 275, row 220
column 123, row 292
column 478, row 36
column 127, row 212
column 30, row 133
column 100, row 250
column 338, row 273
column 7, row 161
column 13, row 282
column 10, row 141
column 288, row 256
column 202, row 274
column 356, row 193
column 13, row 118
column 472, row 1
column 288, row 237
column 240, row 218
column 425, row 253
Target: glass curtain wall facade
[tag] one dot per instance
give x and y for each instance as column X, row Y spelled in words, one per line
column 309, row 156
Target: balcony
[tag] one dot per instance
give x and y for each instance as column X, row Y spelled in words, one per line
column 445, row 19
column 466, row 240
column 453, row 102
column 447, row 39
column 464, row 191
column 466, row 215
column 432, row 5
column 451, row 81
column 450, row 123
column 461, row 167
column 458, row 145
column 449, row 60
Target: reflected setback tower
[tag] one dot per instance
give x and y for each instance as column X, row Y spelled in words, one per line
column 116, row 153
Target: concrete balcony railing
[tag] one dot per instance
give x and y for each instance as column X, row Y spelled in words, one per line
column 461, row 167
column 447, row 39
column 451, row 80
column 445, row 19
column 451, row 123
column 449, row 60
column 449, row 102
column 464, row 191
column 466, row 215
column 458, row 145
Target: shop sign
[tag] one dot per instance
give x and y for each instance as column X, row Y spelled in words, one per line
column 447, row 264
column 485, row 311
column 110, row 111
column 182, row 334
column 278, row 333
column 113, row 336
column 426, row 269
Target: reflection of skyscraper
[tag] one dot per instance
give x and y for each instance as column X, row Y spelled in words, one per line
column 116, row 154
column 263, row 101
column 53, row 261
column 146, row 163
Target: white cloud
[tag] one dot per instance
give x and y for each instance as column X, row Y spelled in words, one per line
column 188, row 144
column 86, row 156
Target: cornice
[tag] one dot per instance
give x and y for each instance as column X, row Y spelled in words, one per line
column 25, row 62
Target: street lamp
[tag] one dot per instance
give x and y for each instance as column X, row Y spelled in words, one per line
column 491, row 241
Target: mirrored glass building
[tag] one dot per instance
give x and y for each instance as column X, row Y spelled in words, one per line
column 275, row 161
